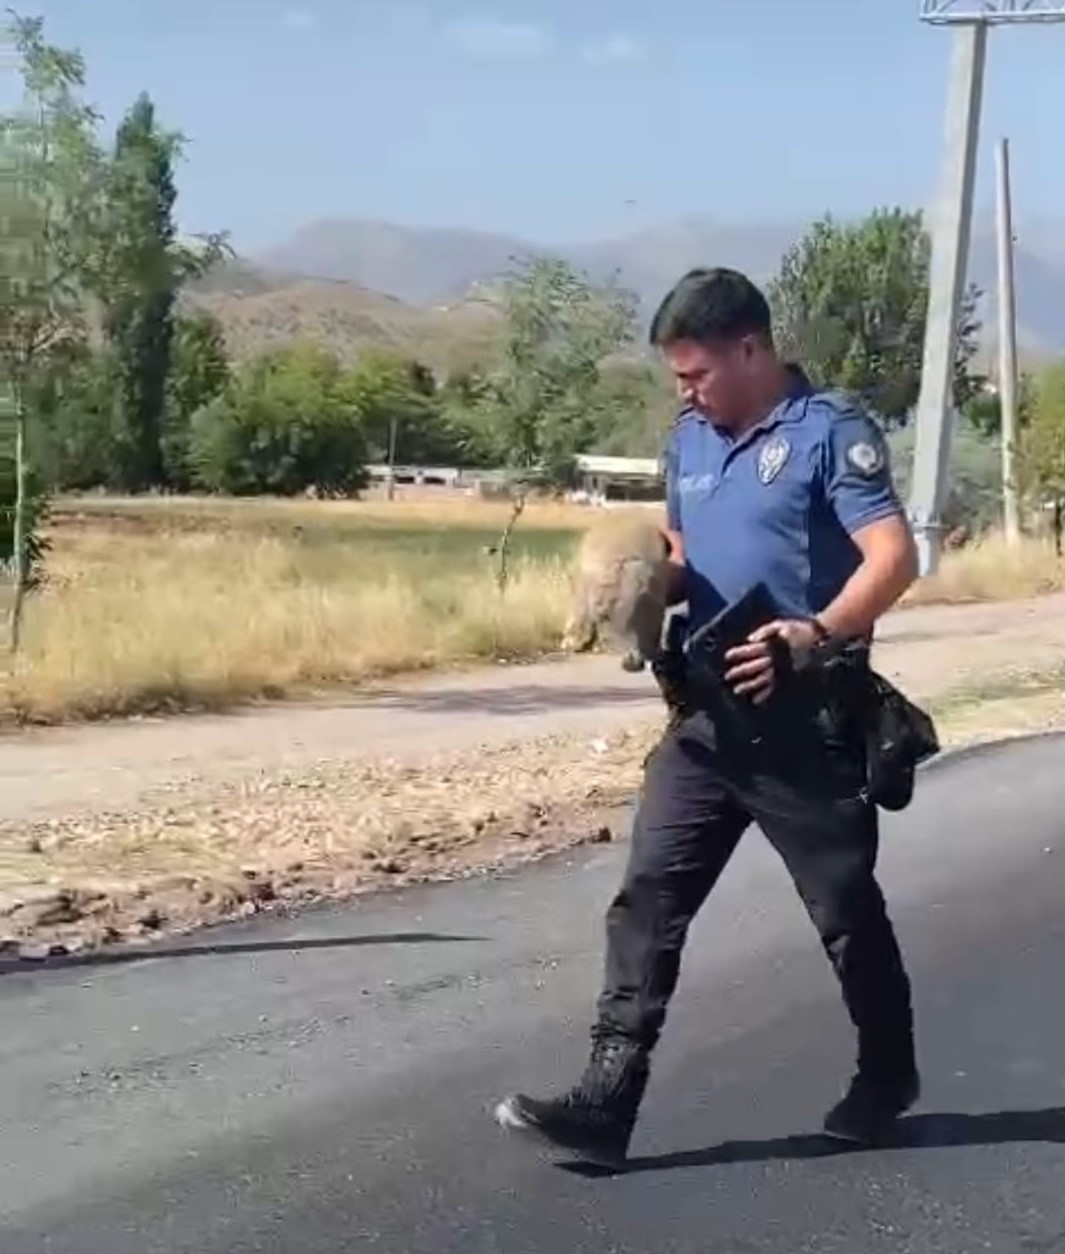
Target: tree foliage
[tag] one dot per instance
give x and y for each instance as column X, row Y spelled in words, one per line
column 1043, row 441
column 140, row 289
column 74, row 410
column 49, row 240
column 199, row 373
column 983, row 412
column 545, row 403
column 850, row 302
column 401, row 411
column 146, row 266
column 286, row 424
column 974, row 496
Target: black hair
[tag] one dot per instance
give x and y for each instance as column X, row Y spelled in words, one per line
column 710, row 306
column 797, row 375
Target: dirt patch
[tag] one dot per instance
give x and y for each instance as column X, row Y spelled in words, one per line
column 205, row 854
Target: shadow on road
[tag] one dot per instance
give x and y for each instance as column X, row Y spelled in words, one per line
column 933, row 1131
column 115, row 957
column 521, row 699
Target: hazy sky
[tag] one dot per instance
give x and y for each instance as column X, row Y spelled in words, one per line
column 558, row 119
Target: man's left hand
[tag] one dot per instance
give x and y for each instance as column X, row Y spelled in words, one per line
column 749, row 667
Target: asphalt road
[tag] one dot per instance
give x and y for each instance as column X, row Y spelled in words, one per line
column 324, row 1085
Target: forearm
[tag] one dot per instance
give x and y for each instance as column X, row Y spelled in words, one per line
column 870, row 592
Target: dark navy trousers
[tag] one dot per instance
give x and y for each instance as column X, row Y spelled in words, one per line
column 805, row 793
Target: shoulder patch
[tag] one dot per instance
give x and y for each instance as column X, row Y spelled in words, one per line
column 772, row 458
column 865, row 457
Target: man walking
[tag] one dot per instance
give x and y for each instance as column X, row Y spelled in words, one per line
column 768, row 482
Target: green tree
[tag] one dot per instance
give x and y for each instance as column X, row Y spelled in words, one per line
column 465, row 405
column 983, row 412
column 546, row 398
column 1043, row 444
column 401, row 409
column 34, row 543
column 850, row 302
column 543, row 405
column 634, row 407
column 75, row 407
column 284, row 424
column 974, row 495
column 146, row 267
column 143, row 288
column 199, row 374
column 49, row 237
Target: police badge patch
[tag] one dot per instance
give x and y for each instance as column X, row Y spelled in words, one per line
column 772, row 458
column 865, row 457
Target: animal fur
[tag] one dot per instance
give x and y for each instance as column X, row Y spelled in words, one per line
column 621, row 584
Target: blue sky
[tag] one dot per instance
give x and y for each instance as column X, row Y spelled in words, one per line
column 553, row 120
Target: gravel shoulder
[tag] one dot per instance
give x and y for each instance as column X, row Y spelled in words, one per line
column 138, row 829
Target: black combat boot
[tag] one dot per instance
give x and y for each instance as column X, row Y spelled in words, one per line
column 596, row 1117
column 868, row 1113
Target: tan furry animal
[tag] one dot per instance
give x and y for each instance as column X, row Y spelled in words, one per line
column 621, row 583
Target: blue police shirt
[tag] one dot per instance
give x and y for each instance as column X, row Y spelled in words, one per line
column 777, row 505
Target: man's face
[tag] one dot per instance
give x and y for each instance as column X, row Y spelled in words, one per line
column 715, row 381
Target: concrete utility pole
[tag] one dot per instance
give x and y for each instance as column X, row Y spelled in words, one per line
column 1007, row 348
column 951, row 231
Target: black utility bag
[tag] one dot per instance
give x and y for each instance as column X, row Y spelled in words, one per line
column 899, row 736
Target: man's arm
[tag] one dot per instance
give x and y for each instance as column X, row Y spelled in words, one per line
column 857, row 483
column 888, row 568
column 861, row 493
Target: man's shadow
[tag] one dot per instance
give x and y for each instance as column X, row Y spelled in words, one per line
column 933, row 1131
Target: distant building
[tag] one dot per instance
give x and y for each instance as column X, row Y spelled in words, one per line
column 601, row 480
column 419, row 476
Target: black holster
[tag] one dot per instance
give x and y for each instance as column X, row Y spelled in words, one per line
column 897, row 735
column 670, row 670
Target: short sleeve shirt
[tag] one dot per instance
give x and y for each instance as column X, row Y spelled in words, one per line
column 780, row 504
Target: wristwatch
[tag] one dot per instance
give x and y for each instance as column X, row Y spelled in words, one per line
column 824, row 636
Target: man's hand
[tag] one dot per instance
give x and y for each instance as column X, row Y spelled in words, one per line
column 749, row 667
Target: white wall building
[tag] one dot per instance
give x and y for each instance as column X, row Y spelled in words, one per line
column 602, row 480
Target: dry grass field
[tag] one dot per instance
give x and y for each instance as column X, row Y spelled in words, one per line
column 187, row 604
column 184, row 604
column 989, row 570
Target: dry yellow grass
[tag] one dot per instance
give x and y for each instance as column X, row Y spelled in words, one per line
column 440, row 511
column 194, row 618
column 186, row 603
column 990, row 570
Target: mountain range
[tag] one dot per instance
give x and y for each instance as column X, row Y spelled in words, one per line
column 353, row 283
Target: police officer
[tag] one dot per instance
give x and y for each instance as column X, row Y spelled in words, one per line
column 772, row 482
